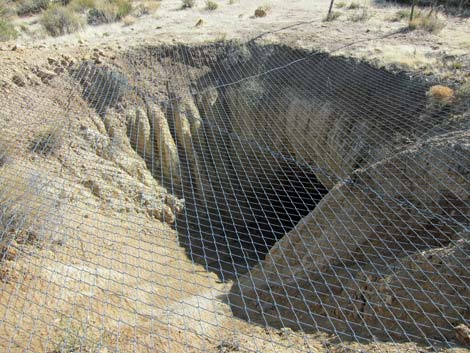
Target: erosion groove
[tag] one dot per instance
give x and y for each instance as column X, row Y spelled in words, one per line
column 340, row 183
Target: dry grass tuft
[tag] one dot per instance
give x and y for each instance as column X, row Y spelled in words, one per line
column 76, row 336
column 362, row 16
column 440, row 94
column 26, row 211
column 340, row 4
column 430, row 23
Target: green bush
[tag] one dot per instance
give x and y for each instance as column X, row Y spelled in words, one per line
column 29, row 7
column 59, row 20
column 211, row 5
column 187, row 4
column 7, row 31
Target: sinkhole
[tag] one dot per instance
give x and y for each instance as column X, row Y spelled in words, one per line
column 308, row 179
column 253, row 136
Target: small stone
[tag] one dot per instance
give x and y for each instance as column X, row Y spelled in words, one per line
column 18, row 80
column 462, row 334
column 168, row 215
column 45, row 75
column 260, row 12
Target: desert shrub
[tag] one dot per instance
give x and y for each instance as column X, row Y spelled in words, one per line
column 464, row 91
column 59, row 20
column 430, row 23
column 145, row 8
column 354, row 6
column 7, row 31
column 108, row 11
column 403, row 15
column 231, row 2
column 82, row 5
column 340, row 4
column 211, row 5
column 46, row 142
column 360, row 16
column 29, row 7
column 333, row 15
column 187, row 4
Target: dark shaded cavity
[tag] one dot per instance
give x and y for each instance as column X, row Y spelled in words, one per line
column 247, row 191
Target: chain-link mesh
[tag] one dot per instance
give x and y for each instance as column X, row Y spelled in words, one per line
column 233, row 197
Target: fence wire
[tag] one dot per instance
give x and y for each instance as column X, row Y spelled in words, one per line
column 233, row 197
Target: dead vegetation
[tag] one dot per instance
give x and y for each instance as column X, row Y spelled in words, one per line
column 430, row 23
column 360, row 16
column 24, row 207
column 441, row 95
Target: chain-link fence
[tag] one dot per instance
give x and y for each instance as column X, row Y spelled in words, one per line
column 234, row 197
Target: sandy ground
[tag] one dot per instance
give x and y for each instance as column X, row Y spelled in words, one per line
column 297, row 23
column 121, row 283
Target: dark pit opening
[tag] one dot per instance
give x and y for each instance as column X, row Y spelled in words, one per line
column 233, row 228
